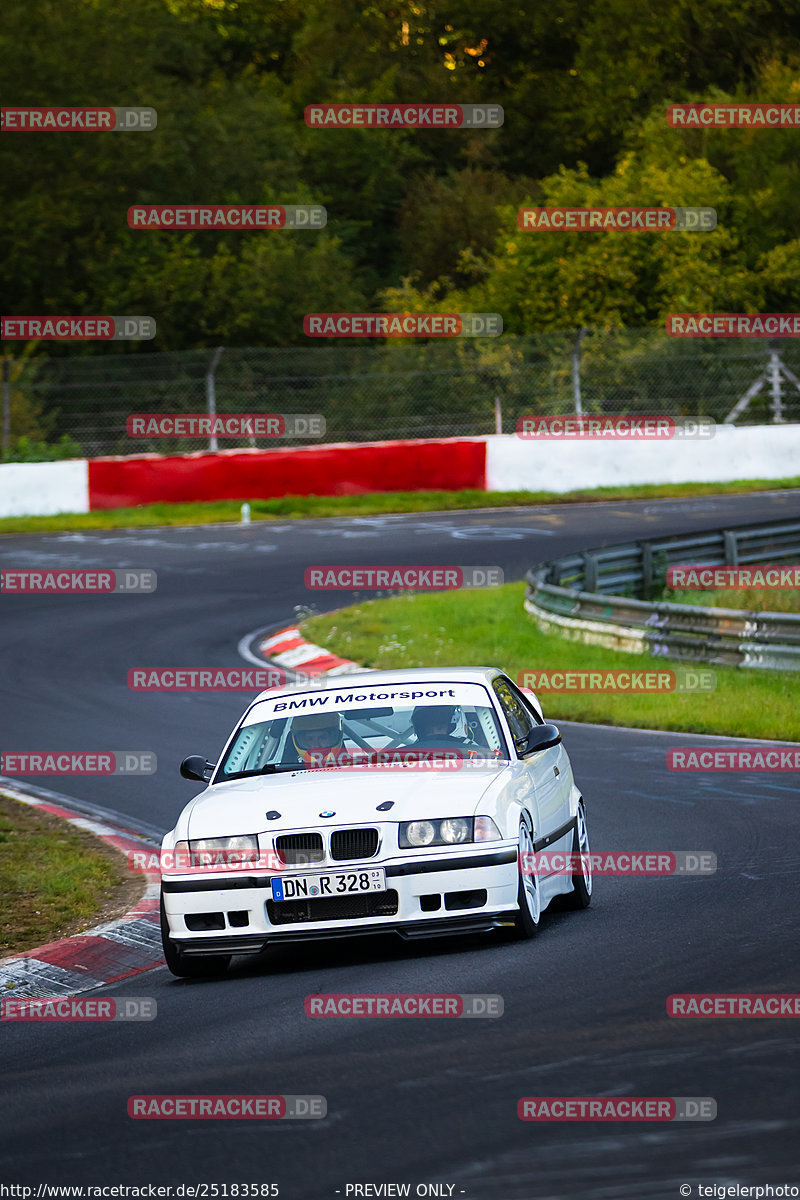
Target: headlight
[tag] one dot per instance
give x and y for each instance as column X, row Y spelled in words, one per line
column 455, row 829
column 447, row 831
column 218, row 851
column 417, row 833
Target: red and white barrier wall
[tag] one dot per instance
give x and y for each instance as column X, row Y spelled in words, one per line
column 342, row 469
column 734, row 452
column 43, row 489
column 501, row 463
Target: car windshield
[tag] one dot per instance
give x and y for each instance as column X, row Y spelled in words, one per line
column 387, row 726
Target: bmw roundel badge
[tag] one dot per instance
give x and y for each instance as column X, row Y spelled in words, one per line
column 327, row 814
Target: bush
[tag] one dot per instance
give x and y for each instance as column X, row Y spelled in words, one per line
column 27, row 450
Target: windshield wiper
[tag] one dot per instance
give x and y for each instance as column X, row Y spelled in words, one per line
column 268, row 769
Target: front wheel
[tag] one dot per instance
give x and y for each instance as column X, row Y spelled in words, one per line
column 581, row 894
column 529, row 917
column 190, row 966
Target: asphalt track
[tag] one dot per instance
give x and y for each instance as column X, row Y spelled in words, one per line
column 408, row 1101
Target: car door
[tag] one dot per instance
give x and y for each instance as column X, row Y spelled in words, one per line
column 549, row 770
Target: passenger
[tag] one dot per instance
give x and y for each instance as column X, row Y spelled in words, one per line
column 434, row 726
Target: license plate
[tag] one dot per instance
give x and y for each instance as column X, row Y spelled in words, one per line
column 316, row 887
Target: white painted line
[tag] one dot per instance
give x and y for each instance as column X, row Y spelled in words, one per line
column 140, row 932
column 31, row 977
column 307, row 653
column 286, row 635
column 93, row 827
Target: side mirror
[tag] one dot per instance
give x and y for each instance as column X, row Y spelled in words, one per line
column 196, row 767
column 541, row 737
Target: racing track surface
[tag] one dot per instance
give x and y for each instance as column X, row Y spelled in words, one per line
column 414, row 1101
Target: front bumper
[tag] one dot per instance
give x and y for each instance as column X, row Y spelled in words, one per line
column 425, row 897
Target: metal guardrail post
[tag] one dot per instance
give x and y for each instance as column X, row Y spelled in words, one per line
column 731, row 548
column 647, row 570
column 589, row 572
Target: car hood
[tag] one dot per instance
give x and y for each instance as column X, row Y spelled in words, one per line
column 240, row 806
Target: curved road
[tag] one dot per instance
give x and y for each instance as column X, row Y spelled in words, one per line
column 408, row 1101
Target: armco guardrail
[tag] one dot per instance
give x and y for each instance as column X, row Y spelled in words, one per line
column 579, row 595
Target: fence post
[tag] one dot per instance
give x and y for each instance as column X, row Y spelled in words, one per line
column 647, row 570
column 731, row 548
column 6, row 403
column 776, row 401
column 589, row 572
column 498, row 416
column 211, row 396
column 576, row 370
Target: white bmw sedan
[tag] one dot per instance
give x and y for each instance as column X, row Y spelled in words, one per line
column 413, row 802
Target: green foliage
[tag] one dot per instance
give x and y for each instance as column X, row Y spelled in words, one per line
column 422, row 218
column 25, row 450
column 489, row 627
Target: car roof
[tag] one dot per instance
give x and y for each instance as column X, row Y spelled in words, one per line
column 358, row 679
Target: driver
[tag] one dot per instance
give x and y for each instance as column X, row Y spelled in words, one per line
column 316, row 736
column 433, row 726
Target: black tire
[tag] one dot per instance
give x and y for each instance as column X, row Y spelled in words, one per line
column 528, row 920
column 190, row 966
column 581, row 894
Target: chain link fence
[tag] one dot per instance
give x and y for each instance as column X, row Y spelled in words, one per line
column 399, row 391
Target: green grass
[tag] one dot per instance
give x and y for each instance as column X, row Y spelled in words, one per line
column 54, row 879
column 752, row 599
column 490, row 628
column 367, row 504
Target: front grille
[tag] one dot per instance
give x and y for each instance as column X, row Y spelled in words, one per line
column 335, row 908
column 347, row 844
column 300, row 849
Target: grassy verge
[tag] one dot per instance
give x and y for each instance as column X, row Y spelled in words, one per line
column 55, row 879
column 370, row 504
column 752, row 599
column 479, row 628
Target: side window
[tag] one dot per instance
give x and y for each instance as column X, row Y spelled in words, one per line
column 526, row 704
column 520, row 720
